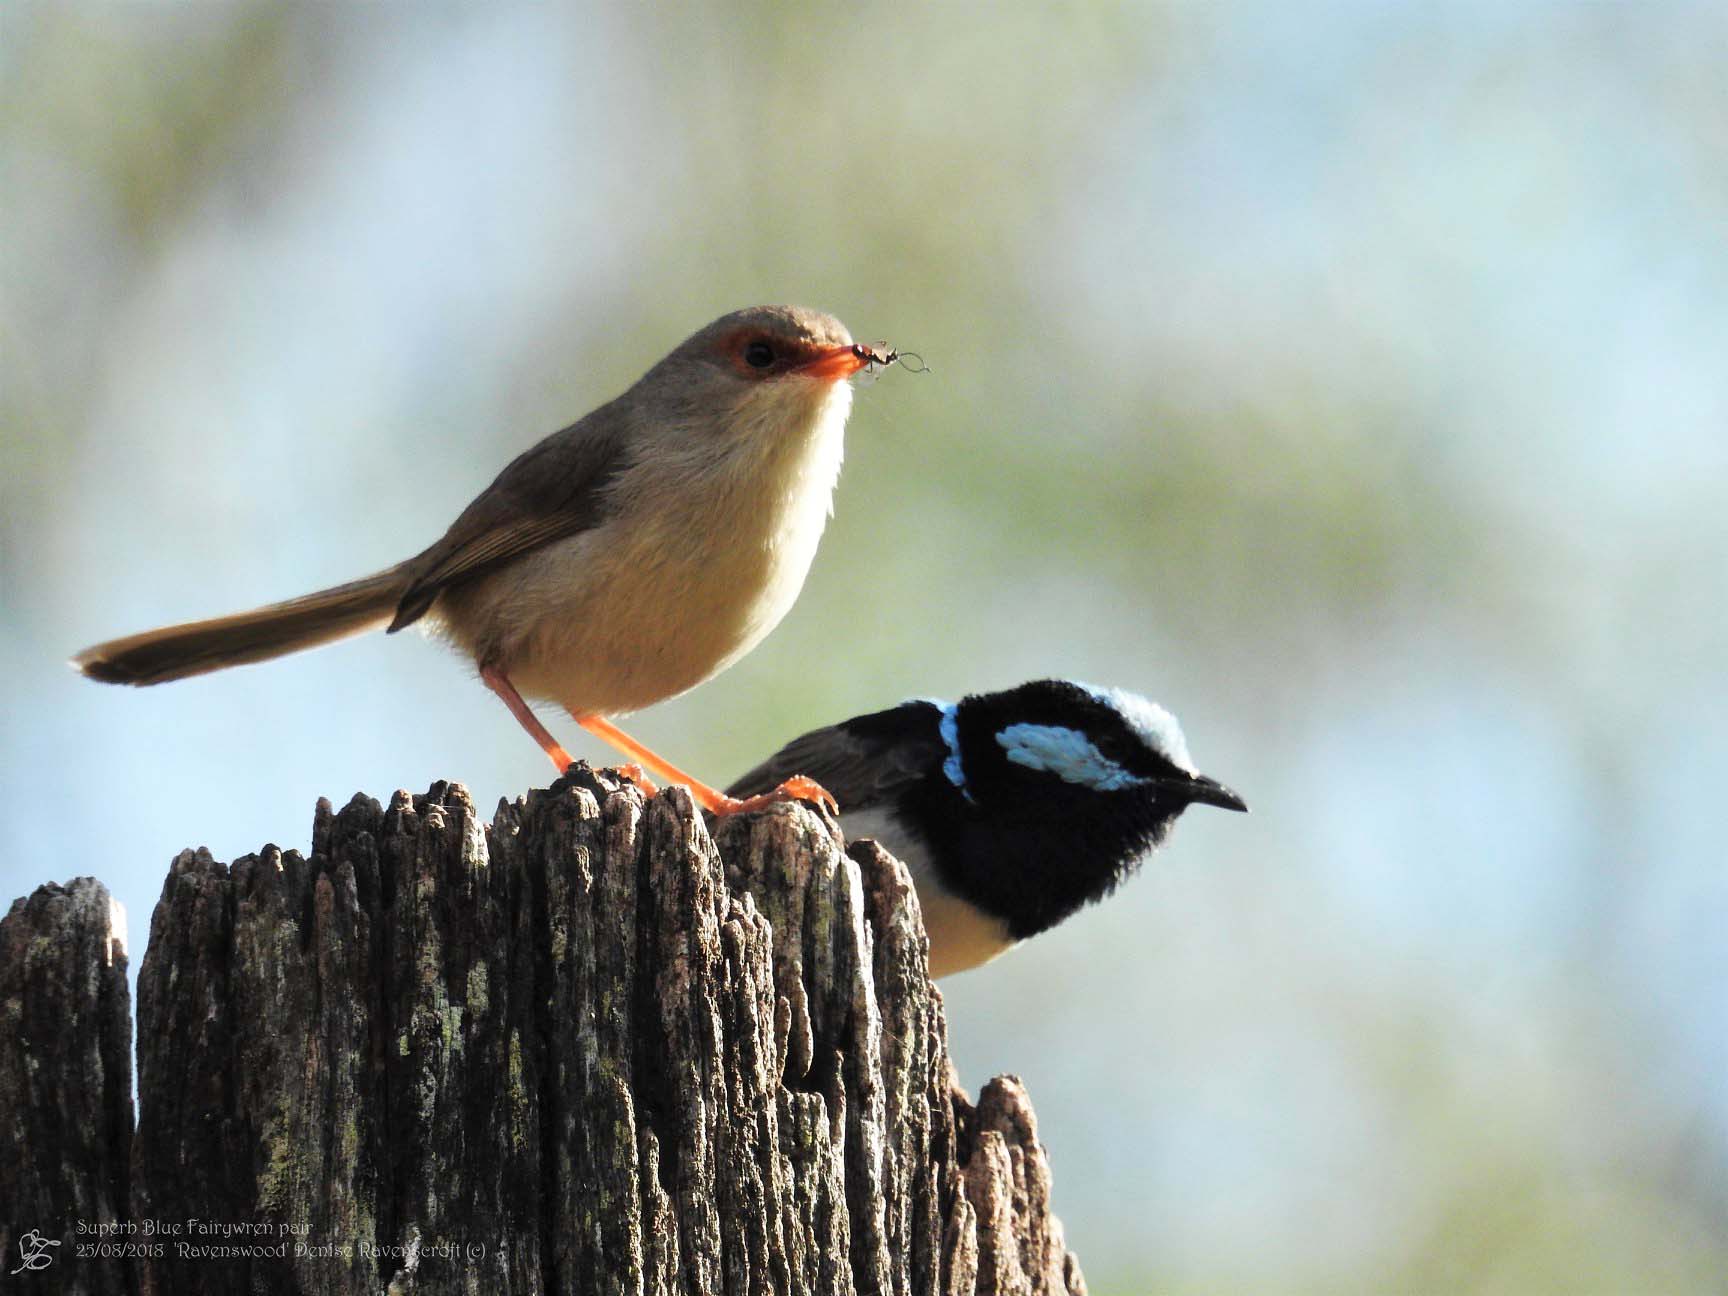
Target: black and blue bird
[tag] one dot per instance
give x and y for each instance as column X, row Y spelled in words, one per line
column 1012, row 809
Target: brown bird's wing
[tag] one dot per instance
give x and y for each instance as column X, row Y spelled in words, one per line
column 863, row 761
column 552, row 490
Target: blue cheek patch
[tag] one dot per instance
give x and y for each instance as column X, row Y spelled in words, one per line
column 1066, row 753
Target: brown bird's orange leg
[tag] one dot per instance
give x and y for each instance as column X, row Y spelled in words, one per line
column 796, row 788
column 500, row 684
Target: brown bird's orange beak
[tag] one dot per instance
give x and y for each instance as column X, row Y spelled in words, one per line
column 833, row 363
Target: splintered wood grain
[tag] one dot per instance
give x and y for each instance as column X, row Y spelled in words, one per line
column 589, row 1047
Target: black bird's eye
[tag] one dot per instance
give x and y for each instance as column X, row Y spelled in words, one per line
column 758, row 355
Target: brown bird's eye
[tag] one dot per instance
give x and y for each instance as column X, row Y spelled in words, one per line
column 758, row 355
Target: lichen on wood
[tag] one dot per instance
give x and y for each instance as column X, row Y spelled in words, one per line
column 589, row 1047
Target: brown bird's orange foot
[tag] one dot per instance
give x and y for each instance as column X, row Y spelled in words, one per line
column 711, row 800
column 634, row 773
column 796, row 788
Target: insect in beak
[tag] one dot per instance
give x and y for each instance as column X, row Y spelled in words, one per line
column 883, row 354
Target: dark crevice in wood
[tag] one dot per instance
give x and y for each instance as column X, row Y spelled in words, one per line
column 532, row 885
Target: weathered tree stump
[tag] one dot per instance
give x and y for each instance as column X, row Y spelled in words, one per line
column 65, row 1087
column 589, row 1048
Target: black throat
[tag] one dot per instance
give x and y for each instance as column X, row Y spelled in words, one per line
column 1033, row 863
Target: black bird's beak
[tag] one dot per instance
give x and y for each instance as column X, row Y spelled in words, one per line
column 1210, row 792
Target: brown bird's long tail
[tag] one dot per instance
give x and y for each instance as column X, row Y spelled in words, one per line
column 175, row 652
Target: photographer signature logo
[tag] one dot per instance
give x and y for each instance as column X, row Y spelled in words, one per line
column 34, row 1250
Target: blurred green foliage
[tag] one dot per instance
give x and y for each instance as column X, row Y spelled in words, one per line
column 1350, row 380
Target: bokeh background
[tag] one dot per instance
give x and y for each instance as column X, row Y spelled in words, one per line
column 1352, row 378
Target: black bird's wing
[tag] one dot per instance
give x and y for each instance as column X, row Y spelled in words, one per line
column 551, row 490
column 863, row 761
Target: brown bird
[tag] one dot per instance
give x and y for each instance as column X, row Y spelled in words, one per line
column 635, row 554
